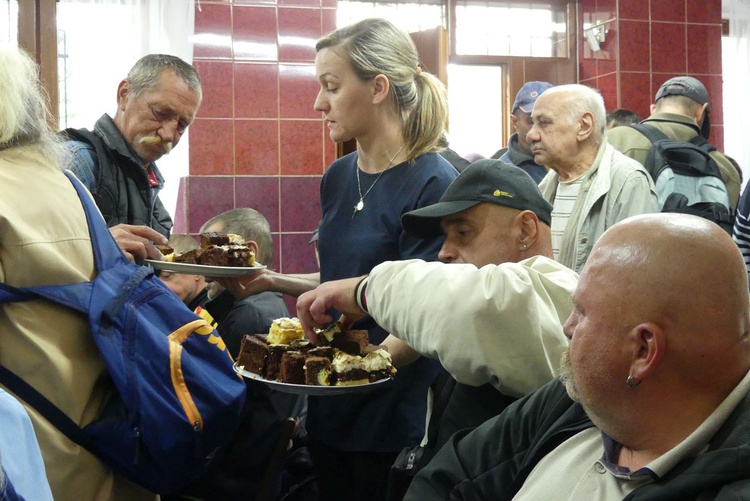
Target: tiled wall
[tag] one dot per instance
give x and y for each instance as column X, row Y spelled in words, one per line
column 648, row 42
column 257, row 142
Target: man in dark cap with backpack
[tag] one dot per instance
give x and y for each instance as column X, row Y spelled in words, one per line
column 681, row 111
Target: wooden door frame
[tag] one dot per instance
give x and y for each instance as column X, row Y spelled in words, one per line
column 37, row 35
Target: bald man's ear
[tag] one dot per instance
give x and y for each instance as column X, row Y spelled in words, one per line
column 649, row 348
column 529, row 226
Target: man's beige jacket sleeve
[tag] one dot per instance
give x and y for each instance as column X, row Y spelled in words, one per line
column 501, row 324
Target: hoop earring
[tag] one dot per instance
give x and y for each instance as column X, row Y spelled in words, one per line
column 631, row 382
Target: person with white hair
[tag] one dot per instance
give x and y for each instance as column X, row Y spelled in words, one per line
column 592, row 186
column 44, row 240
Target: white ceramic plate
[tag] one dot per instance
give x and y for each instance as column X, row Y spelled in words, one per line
column 206, row 271
column 304, row 389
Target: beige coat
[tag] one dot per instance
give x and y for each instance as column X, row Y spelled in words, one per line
column 44, row 240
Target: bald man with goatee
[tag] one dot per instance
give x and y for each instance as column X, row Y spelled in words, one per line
column 653, row 402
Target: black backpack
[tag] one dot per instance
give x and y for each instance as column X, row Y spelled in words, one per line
column 686, row 177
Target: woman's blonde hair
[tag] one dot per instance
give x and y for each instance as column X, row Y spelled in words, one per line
column 375, row 46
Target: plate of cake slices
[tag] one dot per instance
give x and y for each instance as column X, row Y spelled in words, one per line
column 205, row 270
column 217, row 255
column 307, row 389
column 343, row 361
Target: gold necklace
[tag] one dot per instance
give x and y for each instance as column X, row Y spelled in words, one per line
column 361, row 204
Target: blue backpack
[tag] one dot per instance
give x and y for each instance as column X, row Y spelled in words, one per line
column 178, row 400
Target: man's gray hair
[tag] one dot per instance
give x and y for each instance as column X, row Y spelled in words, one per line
column 250, row 225
column 24, row 113
column 583, row 99
column 144, row 75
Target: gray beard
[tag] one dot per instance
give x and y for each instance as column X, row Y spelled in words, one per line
column 566, row 375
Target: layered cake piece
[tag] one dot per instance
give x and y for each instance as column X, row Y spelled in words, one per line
column 254, row 353
column 292, row 368
column 189, row 257
column 285, row 355
column 216, row 249
column 213, row 239
column 317, row 371
column 353, row 342
column 225, row 250
column 273, row 362
column 349, row 369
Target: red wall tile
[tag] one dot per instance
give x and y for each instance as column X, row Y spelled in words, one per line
column 607, row 85
column 301, row 147
column 300, row 203
column 298, row 89
column 299, row 29
column 634, row 42
column 668, row 10
column 212, row 147
column 257, row 147
column 256, row 90
column 635, row 92
column 704, row 43
column 262, row 194
column 213, row 32
column 634, row 9
column 298, row 254
column 218, row 92
column 207, row 197
column 254, row 33
column 668, row 47
column 704, row 11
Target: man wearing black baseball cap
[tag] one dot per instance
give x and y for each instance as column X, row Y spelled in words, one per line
column 492, row 317
column 477, row 211
column 681, row 111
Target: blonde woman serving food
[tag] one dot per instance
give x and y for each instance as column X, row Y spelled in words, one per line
column 372, row 89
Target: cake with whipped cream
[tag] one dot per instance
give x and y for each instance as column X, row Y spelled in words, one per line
column 285, row 330
column 285, row 355
column 216, row 249
column 349, row 369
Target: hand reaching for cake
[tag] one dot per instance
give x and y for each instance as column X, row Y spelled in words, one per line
column 337, row 294
column 137, row 242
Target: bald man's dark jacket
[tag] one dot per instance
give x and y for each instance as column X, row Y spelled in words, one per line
column 493, row 461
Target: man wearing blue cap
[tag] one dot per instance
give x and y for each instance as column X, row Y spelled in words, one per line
column 681, row 112
column 518, row 151
column 492, row 318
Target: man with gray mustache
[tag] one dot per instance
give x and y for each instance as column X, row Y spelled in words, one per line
column 156, row 103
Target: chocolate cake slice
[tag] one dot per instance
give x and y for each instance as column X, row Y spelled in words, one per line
column 254, row 352
column 189, row 257
column 213, row 238
column 317, row 371
column 353, row 342
column 273, row 363
column 292, row 369
column 321, row 351
column 213, row 256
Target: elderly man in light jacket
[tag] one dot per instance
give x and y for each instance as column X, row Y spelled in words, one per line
column 590, row 184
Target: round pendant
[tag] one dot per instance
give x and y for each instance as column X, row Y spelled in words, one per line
column 360, row 205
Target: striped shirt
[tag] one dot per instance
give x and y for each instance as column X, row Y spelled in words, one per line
column 565, row 200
